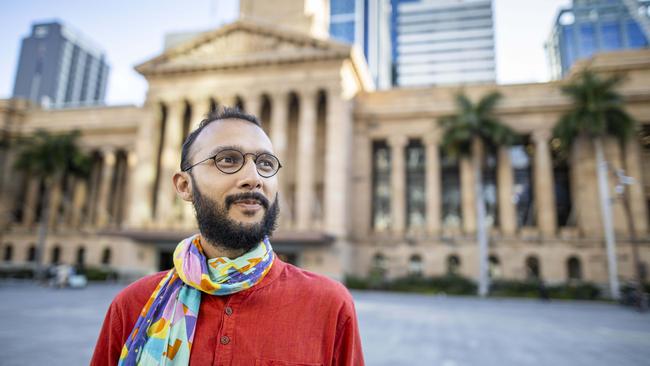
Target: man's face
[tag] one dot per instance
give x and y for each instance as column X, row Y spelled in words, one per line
column 233, row 209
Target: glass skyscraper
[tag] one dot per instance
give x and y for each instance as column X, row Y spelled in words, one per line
column 592, row 26
column 59, row 67
column 366, row 24
column 437, row 42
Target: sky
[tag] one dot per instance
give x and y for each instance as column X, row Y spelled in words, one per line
column 131, row 32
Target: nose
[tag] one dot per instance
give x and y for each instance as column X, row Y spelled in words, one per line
column 249, row 177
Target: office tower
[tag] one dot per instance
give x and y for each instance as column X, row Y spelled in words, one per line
column 592, row 26
column 59, row 67
column 437, row 42
column 366, row 24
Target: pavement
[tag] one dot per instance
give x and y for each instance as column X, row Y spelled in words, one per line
column 45, row 326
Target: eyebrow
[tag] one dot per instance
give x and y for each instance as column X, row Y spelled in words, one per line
column 219, row 149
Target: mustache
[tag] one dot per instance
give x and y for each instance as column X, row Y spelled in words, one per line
column 247, row 196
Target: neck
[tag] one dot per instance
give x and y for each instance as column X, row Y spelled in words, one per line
column 215, row 250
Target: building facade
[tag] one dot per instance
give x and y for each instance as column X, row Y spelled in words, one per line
column 59, row 67
column 365, row 184
column 442, row 42
column 592, row 26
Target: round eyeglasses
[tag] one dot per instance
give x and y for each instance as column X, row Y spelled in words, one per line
column 231, row 161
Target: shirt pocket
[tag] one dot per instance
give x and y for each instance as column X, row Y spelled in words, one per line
column 266, row 362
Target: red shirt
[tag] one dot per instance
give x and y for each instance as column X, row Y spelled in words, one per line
column 292, row 317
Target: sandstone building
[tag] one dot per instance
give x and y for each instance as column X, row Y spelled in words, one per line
column 364, row 185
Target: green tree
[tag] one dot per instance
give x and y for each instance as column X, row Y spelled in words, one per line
column 49, row 158
column 597, row 111
column 466, row 133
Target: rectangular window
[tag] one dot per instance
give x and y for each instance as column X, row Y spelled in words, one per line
column 587, row 40
column 343, row 31
column 341, row 6
column 635, row 36
column 450, row 174
column 381, row 162
column 521, row 159
column 611, row 36
column 415, row 185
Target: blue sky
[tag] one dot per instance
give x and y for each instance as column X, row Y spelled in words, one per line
column 132, row 31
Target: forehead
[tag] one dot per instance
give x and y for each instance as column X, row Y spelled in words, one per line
column 231, row 132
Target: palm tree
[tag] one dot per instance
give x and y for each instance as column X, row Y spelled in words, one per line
column 50, row 158
column 597, row 111
column 466, row 133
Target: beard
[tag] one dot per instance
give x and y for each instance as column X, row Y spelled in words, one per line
column 217, row 228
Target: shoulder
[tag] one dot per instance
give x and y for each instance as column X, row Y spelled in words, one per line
column 316, row 285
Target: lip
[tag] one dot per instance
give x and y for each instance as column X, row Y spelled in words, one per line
column 248, row 206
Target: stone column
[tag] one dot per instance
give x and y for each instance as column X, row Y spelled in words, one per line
column 118, row 194
column 201, row 107
column 104, row 197
column 31, row 201
column 55, row 203
column 200, row 110
column 433, row 182
column 362, row 181
column 467, row 201
column 636, row 196
column 140, row 194
column 252, row 104
column 127, row 185
column 543, row 184
column 505, row 182
column 306, row 159
column 79, row 197
column 338, row 166
column 398, row 183
column 228, row 101
column 166, row 210
column 279, row 138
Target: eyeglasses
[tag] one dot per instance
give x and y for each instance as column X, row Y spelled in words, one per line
column 231, row 161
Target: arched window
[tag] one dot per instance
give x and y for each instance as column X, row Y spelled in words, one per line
column 31, row 253
column 56, row 254
column 106, row 256
column 574, row 268
column 81, row 256
column 415, row 265
column 532, row 268
column 453, row 265
column 494, row 266
column 9, row 252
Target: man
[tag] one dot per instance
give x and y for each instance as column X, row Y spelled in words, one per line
column 229, row 300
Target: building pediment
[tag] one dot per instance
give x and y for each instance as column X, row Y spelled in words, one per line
column 243, row 44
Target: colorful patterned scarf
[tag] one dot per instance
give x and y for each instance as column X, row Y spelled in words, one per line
column 164, row 331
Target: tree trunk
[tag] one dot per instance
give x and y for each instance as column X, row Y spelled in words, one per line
column 481, row 230
column 606, row 211
column 42, row 230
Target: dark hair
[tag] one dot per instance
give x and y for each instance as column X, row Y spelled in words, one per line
column 219, row 114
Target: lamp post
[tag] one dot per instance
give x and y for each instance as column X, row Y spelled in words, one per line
column 623, row 193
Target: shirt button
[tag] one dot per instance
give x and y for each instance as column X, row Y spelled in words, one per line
column 228, row 310
column 225, row 340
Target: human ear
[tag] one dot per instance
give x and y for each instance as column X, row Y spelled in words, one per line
column 183, row 186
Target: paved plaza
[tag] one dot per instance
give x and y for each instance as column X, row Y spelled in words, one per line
column 43, row 326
